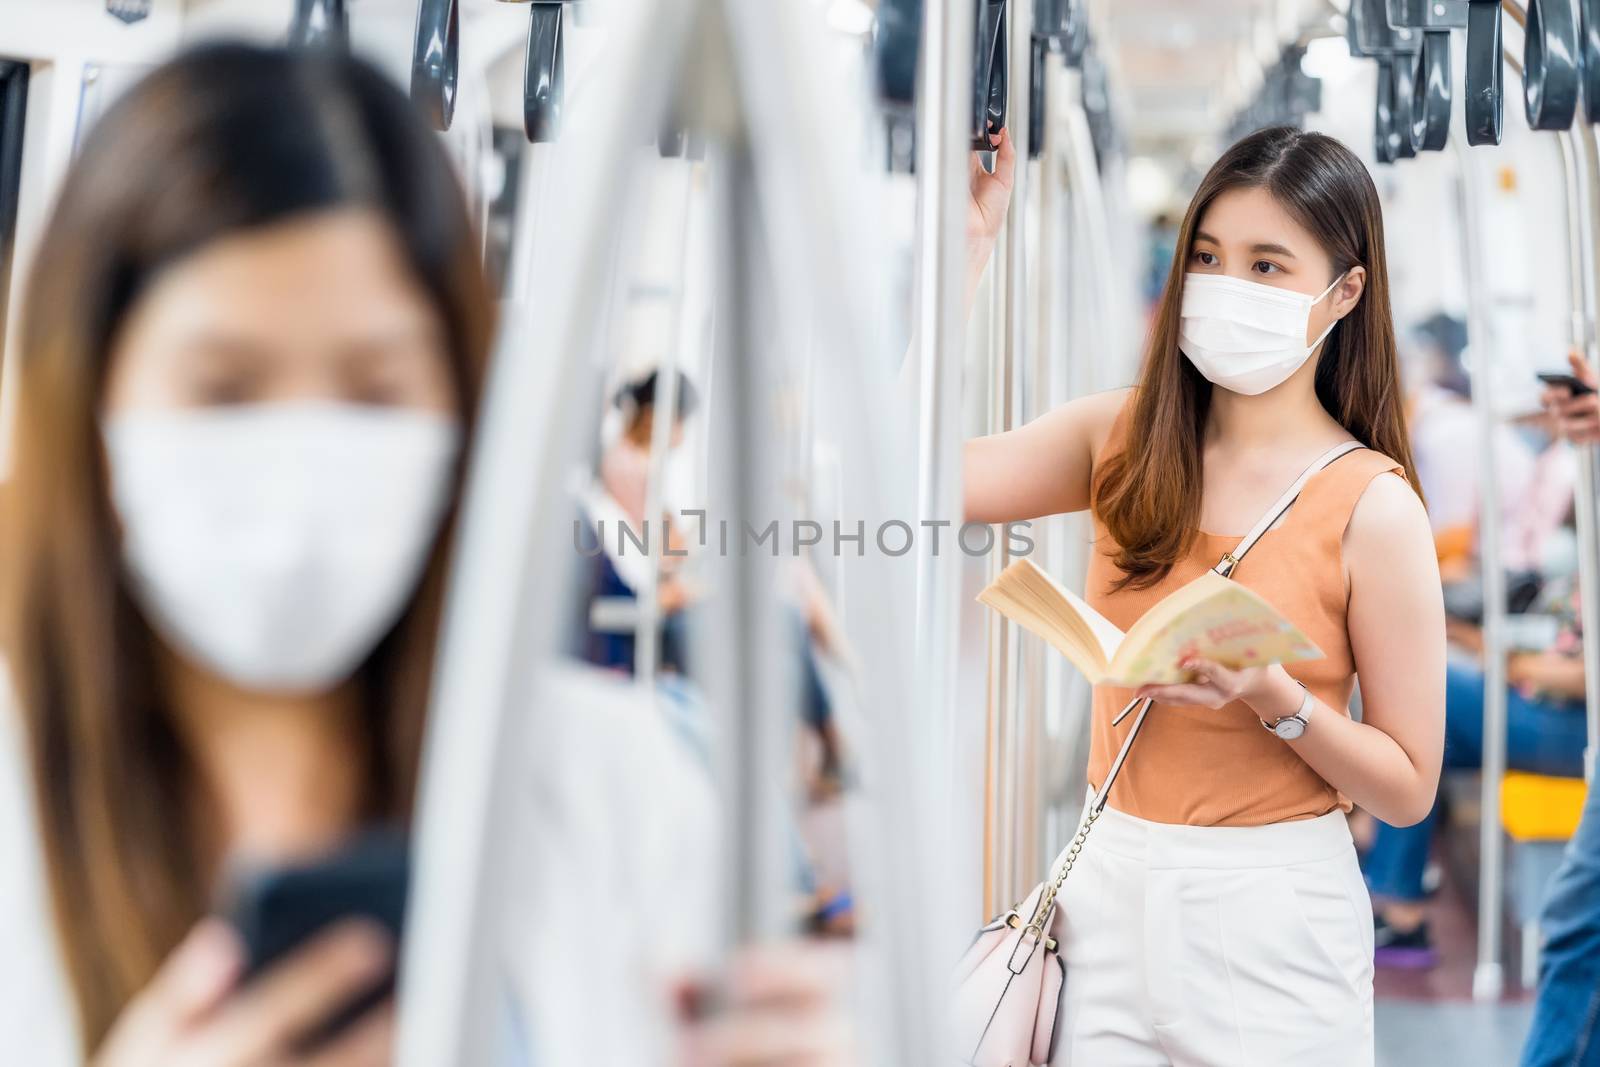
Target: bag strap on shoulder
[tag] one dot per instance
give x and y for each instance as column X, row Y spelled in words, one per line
column 1231, row 560
column 1225, row 567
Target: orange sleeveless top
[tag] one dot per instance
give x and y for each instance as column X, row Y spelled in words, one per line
column 1218, row 766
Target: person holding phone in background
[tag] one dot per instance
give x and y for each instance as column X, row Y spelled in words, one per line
column 255, row 337
column 1566, row 1017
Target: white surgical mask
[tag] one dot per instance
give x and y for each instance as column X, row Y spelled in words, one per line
column 1246, row 337
column 277, row 544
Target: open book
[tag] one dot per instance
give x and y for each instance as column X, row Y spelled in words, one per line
column 1211, row 617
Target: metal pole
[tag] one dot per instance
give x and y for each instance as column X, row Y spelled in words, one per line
column 499, row 631
column 942, row 118
column 904, row 872
column 1582, row 235
column 647, row 629
column 1043, row 674
column 749, row 667
column 1488, row 979
column 1022, row 301
column 941, row 331
column 1001, row 779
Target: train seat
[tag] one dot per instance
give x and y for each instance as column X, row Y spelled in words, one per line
column 1538, row 813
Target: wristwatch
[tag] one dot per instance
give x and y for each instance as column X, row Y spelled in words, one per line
column 1290, row 727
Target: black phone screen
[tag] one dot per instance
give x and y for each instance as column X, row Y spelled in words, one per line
column 276, row 910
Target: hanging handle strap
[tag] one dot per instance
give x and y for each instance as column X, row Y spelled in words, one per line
column 1224, row 567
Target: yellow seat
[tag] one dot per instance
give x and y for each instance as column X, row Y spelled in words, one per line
column 1536, row 807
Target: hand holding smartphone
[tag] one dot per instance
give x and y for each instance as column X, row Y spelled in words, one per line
column 1571, row 382
column 1571, row 401
column 278, row 910
column 301, row 970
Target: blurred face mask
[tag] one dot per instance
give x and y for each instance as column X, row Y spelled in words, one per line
column 277, row 544
column 1246, row 337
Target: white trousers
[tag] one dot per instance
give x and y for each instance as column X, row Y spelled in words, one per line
column 1200, row 946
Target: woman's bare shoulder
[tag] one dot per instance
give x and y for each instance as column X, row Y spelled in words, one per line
column 1388, row 538
column 1099, row 413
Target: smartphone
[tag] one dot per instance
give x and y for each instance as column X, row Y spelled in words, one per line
column 1574, row 385
column 276, row 910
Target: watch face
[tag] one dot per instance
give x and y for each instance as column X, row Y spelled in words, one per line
column 1289, row 728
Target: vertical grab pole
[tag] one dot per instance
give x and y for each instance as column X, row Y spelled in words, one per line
column 1583, row 235
column 1488, row 978
column 1042, row 379
column 1023, row 654
column 749, row 666
column 1000, row 840
column 943, row 112
column 647, row 628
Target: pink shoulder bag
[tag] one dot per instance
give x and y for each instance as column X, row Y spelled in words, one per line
column 1008, row 985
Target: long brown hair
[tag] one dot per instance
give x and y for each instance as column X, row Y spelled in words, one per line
column 220, row 140
column 1149, row 497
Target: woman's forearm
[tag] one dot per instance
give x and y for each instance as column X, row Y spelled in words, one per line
column 1360, row 761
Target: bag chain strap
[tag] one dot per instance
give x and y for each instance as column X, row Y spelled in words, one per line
column 1224, row 567
column 1047, row 900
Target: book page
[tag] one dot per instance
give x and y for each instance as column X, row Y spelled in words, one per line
column 1106, row 633
column 1222, row 621
column 1040, row 605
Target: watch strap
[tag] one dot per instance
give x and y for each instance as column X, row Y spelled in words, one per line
column 1301, row 713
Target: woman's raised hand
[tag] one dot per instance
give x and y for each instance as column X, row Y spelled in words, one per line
column 989, row 196
column 193, row 1013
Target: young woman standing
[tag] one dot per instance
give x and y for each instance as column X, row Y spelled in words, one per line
column 1217, row 915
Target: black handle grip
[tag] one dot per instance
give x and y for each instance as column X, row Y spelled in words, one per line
column 1550, row 76
column 1486, row 62
column 435, row 60
column 990, row 77
column 544, row 76
column 1430, row 93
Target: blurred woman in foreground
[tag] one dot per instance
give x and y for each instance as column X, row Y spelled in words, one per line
column 256, row 334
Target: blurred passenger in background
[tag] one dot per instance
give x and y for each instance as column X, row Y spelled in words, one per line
column 614, row 511
column 625, row 465
column 1566, row 1019
column 1445, row 440
column 1546, row 677
column 1545, row 731
column 254, row 341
